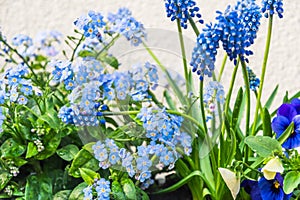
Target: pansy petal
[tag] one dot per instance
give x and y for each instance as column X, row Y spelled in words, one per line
column 251, row 187
column 296, row 121
column 268, row 191
column 292, row 142
column 279, row 124
column 296, row 104
column 287, row 111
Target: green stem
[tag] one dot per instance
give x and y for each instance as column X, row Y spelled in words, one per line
column 79, row 42
column 228, row 97
column 108, row 45
column 193, row 24
column 264, row 67
column 172, row 83
column 186, row 70
column 20, row 56
column 222, row 67
column 246, row 80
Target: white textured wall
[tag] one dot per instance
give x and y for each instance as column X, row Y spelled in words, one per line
column 31, row 16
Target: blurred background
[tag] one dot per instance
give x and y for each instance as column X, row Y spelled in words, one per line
column 30, row 17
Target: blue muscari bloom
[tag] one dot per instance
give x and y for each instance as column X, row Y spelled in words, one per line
column 271, row 7
column 182, row 10
column 239, row 25
column 286, row 114
column 253, row 80
column 205, row 51
column 264, row 189
column 66, row 115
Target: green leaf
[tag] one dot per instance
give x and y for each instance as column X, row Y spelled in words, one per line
column 62, row 195
column 10, row 148
column 4, row 178
column 86, row 53
column 88, row 175
column 142, row 194
column 51, row 142
column 237, row 108
column 83, row 159
column 19, row 161
column 40, row 58
column 68, row 152
column 89, row 146
column 31, row 150
column 129, row 189
column 77, row 193
column 271, row 98
column 263, row 145
column 267, row 129
column 291, row 181
column 117, row 191
column 51, row 118
column 38, row 187
column 112, row 61
column 286, row 133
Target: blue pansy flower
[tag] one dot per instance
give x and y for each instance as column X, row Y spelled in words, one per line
column 286, row 114
column 264, row 189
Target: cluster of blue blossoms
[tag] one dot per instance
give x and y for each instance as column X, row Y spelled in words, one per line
column 101, row 187
column 236, row 28
column 271, row 7
column 14, row 86
column 253, row 80
column 94, row 26
column 45, row 43
column 163, row 130
column 123, row 23
column 182, row 10
column 91, row 87
column 91, row 24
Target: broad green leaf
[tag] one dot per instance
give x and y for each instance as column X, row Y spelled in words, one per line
column 291, row 181
column 263, row 145
column 19, row 161
column 83, row 159
column 88, row 175
column 232, row 147
column 142, row 194
column 4, row 178
column 68, row 152
column 267, row 130
column 89, row 146
column 117, row 191
column 286, row 133
column 39, row 188
column 129, row 189
column 10, row 148
column 237, row 107
column 112, row 61
column 31, row 150
column 77, row 193
column 62, row 195
column 51, row 118
column 51, row 142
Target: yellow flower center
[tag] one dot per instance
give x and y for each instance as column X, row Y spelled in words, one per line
column 276, row 184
